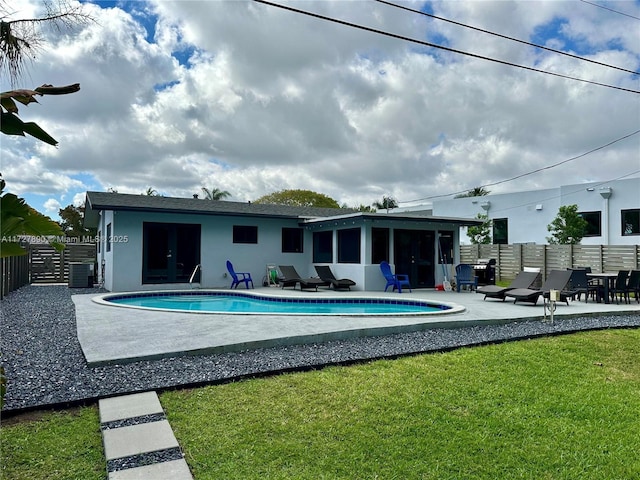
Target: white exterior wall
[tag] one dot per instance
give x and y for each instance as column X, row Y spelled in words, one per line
column 216, row 247
column 530, row 212
column 123, row 264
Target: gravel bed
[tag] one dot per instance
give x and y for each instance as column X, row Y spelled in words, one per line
column 45, row 366
column 143, row 459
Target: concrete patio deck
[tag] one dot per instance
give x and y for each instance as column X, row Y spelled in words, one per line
column 114, row 335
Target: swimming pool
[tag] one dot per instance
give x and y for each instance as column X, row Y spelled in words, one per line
column 227, row 302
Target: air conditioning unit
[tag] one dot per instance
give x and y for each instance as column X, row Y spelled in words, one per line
column 79, row 274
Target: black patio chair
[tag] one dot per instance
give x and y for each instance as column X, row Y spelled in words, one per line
column 620, row 287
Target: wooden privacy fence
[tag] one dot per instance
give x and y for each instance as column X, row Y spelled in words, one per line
column 43, row 264
column 511, row 259
column 14, row 273
column 47, row 265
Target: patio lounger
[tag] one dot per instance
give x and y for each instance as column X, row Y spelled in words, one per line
column 291, row 278
column 522, row 280
column 326, row 275
column 557, row 280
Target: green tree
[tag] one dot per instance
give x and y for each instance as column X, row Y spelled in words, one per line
column 151, row 192
column 20, row 39
column 298, row 198
column 18, row 219
column 474, row 192
column 72, row 219
column 480, row 234
column 387, row 203
column 214, row 193
column 568, row 228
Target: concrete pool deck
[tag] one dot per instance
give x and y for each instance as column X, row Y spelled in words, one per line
column 114, row 335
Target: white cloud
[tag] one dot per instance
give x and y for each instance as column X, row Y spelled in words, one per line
column 270, row 99
column 52, row 206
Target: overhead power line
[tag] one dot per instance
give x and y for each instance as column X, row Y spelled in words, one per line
column 433, row 45
column 610, row 9
column 559, row 52
column 530, row 172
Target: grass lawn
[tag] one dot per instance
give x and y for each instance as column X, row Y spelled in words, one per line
column 59, row 445
column 565, row 407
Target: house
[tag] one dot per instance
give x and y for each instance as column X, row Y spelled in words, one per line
column 611, row 209
column 152, row 242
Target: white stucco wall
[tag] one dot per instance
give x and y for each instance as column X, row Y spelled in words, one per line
column 123, row 264
column 530, row 212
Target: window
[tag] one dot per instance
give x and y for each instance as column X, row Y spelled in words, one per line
column 108, row 247
column 292, row 240
column 500, row 231
column 323, row 247
column 446, row 247
column 630, row 222
column 245, row 234
column 379, row 245
column 349, row 245
column 594, row 223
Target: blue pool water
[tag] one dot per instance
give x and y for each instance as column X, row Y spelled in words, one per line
column 224, row 302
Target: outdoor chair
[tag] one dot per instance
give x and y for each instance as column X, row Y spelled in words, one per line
column 291, row 278
column 557, row 280
column 620, row 288
column 396, row 281
column 579, row 284
column 634, row 284
column 239, row 277
column 465, row 275
column 522, row 280
column 326, row 275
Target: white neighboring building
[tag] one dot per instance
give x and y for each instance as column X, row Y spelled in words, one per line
column 611, row 208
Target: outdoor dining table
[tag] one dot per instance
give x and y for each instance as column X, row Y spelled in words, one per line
column 608, row 280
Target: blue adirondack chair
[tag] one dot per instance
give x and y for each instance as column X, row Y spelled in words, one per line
column 395, row 281
column 466, row 276
column 239, row 277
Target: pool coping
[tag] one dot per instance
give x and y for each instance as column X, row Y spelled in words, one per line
column 452, row 308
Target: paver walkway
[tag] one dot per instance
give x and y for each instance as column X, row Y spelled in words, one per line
column 139, row 443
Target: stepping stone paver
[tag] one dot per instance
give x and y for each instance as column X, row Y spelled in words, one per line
column 173, row 470
column 129, row 406
column 139, row 438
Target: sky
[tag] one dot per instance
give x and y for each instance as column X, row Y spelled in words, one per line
column 252, row 99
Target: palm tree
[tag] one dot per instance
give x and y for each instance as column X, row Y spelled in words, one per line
column 215, row 193
column 474, row 192
column 387, row 203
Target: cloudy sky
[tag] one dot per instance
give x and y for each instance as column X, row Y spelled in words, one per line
column 252, row 99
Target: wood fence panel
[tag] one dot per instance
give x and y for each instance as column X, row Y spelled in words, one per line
column 51, row 266
column 14, row 273
column 619, row 257
column 559, row 257
column 511, row 259
column 588, row 256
